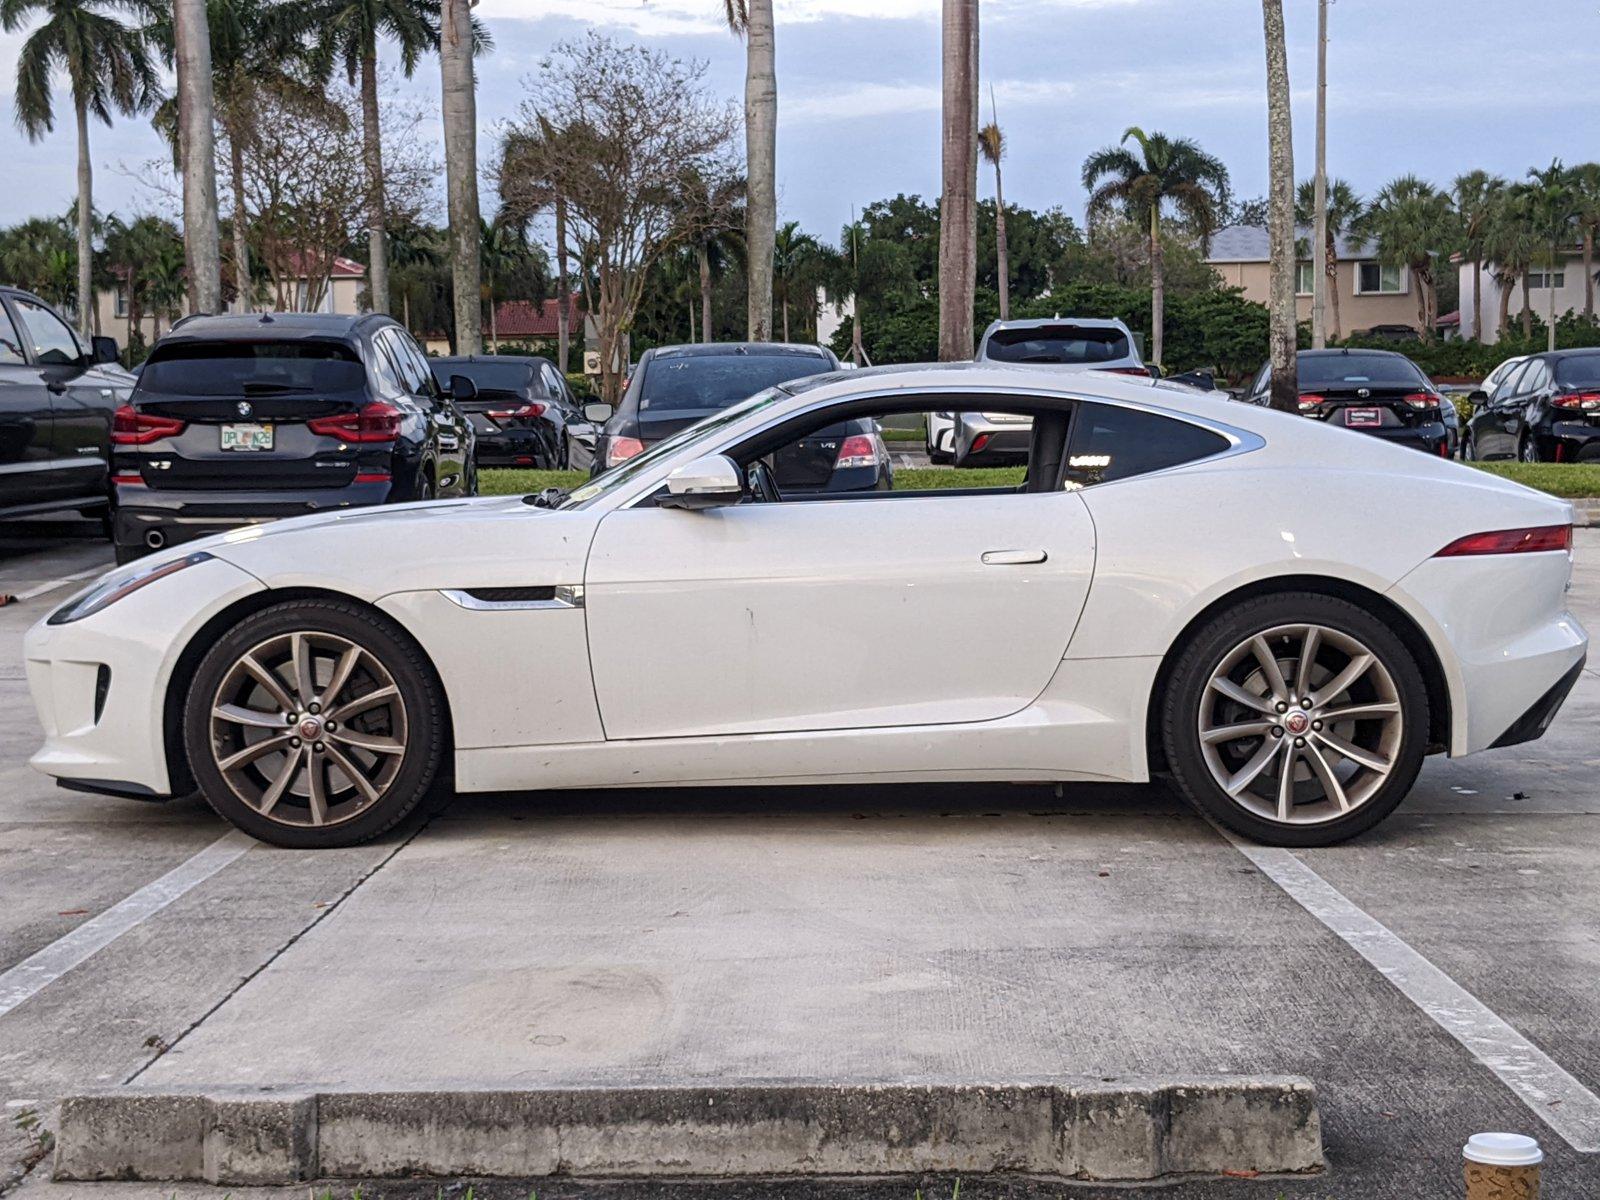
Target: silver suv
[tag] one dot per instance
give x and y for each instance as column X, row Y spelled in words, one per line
column 1079, row 343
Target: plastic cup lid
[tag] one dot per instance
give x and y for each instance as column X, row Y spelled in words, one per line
column 1502, row 1150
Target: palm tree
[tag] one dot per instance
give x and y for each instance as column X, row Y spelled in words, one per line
column 458, row 39
column 109, row 69
column 1173, row 171
column 1586, row 181
column 752, row 19
column 958, row 206
column 1283, row 336
column 1343, row 207
column 348, row 33
column 709, row 210
column 527, row 187
column 992, row 145
column 40, row 256
column 1511, row 243
column 799, row 264
column 197, row 122
column 137, row 252
column 1552, row 199
column 1477, row 195
column 1414, row 225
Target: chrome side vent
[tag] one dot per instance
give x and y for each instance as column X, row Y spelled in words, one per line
column 511, row 599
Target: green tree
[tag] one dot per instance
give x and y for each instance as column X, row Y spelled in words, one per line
column 1344, row 206
column 800, row 266
column 1552, row 202
column 1477, row 196
column 1172, row 172
column 1586, row 181
column 992, row 145
column 1414, row 226
column 41, row 256
column 711, row 211
column 109, row 69
column 510, row 265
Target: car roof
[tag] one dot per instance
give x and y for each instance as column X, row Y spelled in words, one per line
column 726, row 349
column 262, row 326
column 524, row 360
column 1046, row 322
column 1336, row 351
column 1573, row 352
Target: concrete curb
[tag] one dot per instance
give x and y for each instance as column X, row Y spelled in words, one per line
column 1132, row 1129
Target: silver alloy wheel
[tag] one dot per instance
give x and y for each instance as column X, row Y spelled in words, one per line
column 1301, row 724
column 308, row 728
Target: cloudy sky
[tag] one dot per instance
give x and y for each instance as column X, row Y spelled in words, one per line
column 1431, row 86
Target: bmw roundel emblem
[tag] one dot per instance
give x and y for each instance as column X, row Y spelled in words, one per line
column 244, row 408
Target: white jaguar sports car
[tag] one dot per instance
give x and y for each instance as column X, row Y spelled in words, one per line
column 1282, row 616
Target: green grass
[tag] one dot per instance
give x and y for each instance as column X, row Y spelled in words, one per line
column 903, row 435
column 1567, row 480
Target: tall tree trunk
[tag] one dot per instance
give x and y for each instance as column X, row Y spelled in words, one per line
column 1319, row 187
column 85, row 222
column 1527, row 307
column 197, row 117
column 1430, row 305
column 858, row 352
column 494, row 320
column 1588, row 271
column 1158, row 286
column 692, row 335
column 241, row 227
column 1283, row 338
column 958, row 208
column 461, row 171
column 786, row 314
column 1002, row 251
column 705, row 295
column 1550, row 281
column 1334, row 328
column 563, row 288
column 761, row 151
column 1504, row 287
column 377, row 212
column 1477, row 301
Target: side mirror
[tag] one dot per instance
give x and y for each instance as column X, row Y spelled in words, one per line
column 104, row 350
column 597, row 412
column 462, row 388
column 1477, row 396
column 1154, row 371
column 708, row 482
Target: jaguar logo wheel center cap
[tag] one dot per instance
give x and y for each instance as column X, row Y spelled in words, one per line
column 310, row 728
column 1297, row 722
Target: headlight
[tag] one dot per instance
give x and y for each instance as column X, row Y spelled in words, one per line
column 118, row 584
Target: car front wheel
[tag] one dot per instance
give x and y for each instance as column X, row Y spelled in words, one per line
column 1296, row 720
column 314, row 723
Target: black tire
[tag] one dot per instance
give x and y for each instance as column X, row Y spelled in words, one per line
column 1191, row 679
column 403, row 659
column 1528, row 450
column 1469, row 449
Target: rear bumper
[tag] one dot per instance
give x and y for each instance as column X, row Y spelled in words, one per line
column 1573, row 441
column 1432, row 438
column 986, row 443
column 514, row 448
column 1532, row 724
column 176, row 517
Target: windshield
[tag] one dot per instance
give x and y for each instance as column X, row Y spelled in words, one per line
column 1582, row 370
column 1068, row 345
column 252, row 369
column 624, row 472
column 718, row 380
column 1358, row 370
column 491, row 377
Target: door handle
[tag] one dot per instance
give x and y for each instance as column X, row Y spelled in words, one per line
column 1013, row 558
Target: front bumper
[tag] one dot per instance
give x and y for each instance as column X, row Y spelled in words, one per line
column 117, row 740
column 151, row 519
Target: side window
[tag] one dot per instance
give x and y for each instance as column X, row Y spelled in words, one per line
column 1110, row 442
column 1507, row 387
column 53, row 343
column 419, row 374
column 383, row 365
column 10, row 342
column 1263, row 378
column 555, row 386
column 1537, row 378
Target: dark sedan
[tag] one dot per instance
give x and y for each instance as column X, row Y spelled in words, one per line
column 1377, row 392
column 1545, row 409
column 241, row 419
column 522, row 411
column 675, row 386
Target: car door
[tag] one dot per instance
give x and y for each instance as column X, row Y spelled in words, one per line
column 1491, row 438
column 1514, row 420
column 783, row 617
column 82, row 400
column 448, row 435
column 24, row 417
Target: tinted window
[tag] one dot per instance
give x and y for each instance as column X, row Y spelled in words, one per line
column 53, row 343
column 252, row 369
column 718, row 380
column 516, row 378
column 387, row 369
column 1581, row 371
column 1056, row 344
column 1535, row 379
column 1115, row 443
column 10, row 343
column 1382, row 370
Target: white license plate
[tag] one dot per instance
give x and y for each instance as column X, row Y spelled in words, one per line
column 247, row 437
column 1363, row 418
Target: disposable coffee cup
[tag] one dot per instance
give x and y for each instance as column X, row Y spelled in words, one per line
column 1502, row 1166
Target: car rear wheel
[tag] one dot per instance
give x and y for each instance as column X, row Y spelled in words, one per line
column 1296, row 720
column 314, row 723
column 1529, row 452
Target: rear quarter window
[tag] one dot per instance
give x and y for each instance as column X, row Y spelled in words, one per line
column 1109, row 442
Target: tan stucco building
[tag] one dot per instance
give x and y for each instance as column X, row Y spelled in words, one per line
column 1369, row 293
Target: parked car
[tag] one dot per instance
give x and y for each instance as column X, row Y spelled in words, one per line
column 522, row 411
column 56, row 400
column 1545, row 409
column 693, row 624
column 970, row 439
column 673, row 387
column 1378, row 392
column 237, row 420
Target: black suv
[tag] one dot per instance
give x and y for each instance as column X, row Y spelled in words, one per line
column 243, row 419
column 1545, row 409
column 56, row 401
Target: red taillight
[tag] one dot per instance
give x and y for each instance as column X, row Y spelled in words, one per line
column 1583, row 400
column 620, row 449
column 373, row 477
column 1511, row 541
column 1422, row 400
column 1444, row 448
column 130, row 427
column 1310, row 400
column 979, row 442
column 128, row 480
column 857, row 450
column 376, row 422
column 526, row 413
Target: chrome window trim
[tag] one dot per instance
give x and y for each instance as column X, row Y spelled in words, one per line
column 567, row 596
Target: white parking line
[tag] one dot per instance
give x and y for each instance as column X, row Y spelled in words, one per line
column 1554, row 1096
column 42, row 968
column 42, row 588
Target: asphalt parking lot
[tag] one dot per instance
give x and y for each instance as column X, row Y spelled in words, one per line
column 971, row 932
